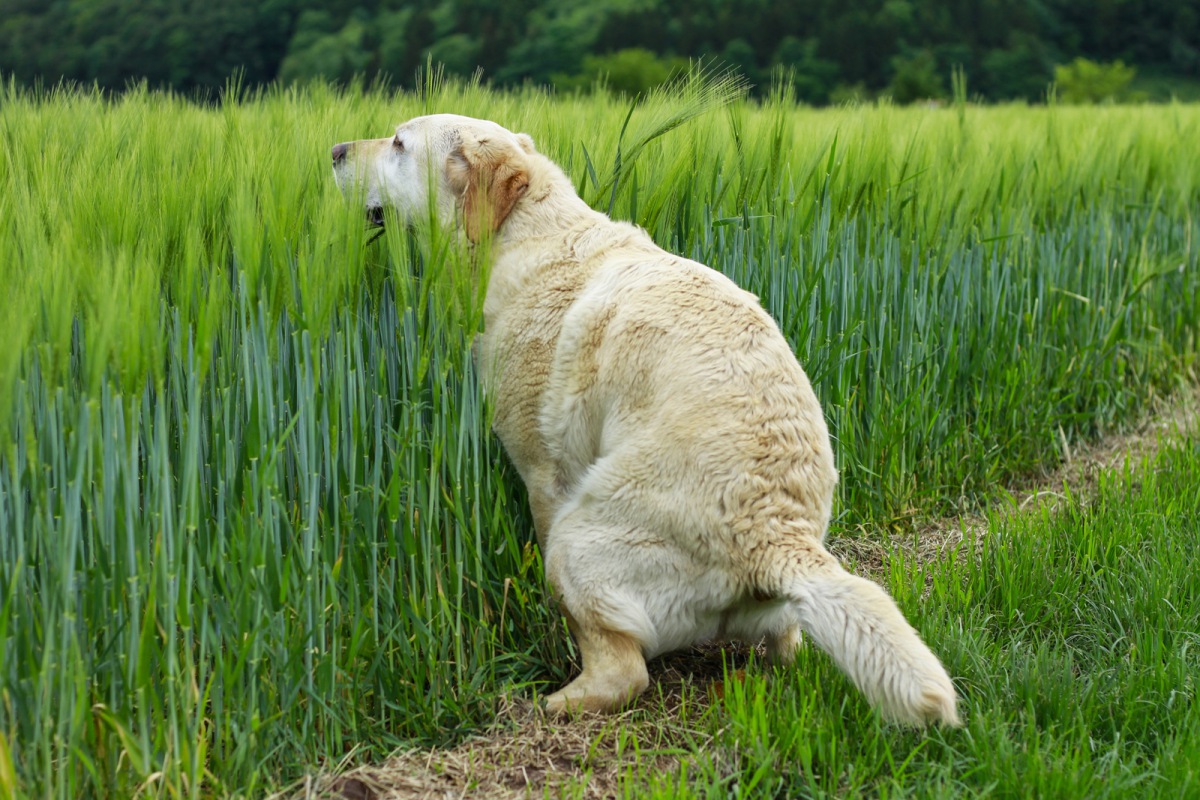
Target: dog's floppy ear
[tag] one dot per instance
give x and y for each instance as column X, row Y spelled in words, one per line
column 489, row 177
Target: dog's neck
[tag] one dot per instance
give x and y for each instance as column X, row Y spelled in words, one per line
column 550, row 210
column 549, row 207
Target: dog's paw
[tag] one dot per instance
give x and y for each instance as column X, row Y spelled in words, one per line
column 594, row 696
column 573, row 699
column 558, row 704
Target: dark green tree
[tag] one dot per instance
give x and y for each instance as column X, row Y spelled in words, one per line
column 1008, row 48
column 915, row 77
column 1021, row 71
column 813, row 77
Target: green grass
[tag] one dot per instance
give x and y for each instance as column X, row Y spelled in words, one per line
column 1073, row 638
column 251, row 515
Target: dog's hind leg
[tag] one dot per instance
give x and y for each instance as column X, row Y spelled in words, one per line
column 782, row 646
column 614, row 671
column 594, row 570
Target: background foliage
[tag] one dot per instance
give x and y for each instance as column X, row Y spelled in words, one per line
column 1007, row 48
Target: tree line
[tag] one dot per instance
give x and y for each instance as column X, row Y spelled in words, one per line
column 835, row 49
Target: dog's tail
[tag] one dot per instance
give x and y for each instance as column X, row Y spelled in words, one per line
column 859, row 625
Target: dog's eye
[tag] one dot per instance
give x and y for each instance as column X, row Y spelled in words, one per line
column 398, row 145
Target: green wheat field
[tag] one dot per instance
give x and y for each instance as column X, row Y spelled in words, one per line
column 253, row 522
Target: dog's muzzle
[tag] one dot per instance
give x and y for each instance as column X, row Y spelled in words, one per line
column 339, row 152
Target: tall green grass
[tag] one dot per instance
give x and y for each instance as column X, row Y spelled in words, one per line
column 251, row 516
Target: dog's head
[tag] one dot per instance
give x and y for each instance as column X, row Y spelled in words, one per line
column 469, row 171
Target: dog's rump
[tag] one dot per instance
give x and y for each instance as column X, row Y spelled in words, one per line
column 671, row 363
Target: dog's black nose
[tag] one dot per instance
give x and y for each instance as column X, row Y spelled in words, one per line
column 339, row 151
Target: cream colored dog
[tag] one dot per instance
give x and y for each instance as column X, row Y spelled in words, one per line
column 678, row 465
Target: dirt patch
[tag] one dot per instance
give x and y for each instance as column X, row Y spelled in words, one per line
column 1077, row 475
column 528, row 753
